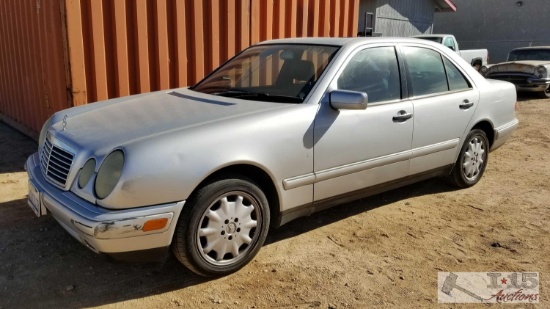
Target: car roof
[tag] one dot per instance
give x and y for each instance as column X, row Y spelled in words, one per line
column 431, row 35
column 531, row 47
column 340, row 41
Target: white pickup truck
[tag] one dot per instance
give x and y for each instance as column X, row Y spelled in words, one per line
column 476, row 57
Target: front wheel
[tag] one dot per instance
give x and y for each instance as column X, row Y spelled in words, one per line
column 546, row 93
column 471, row 162
column 222, row 227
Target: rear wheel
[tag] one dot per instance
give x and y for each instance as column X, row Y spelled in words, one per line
column 471, row 162
column 222, row 227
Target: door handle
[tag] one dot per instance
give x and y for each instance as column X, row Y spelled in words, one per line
column 466, row 104
column 402, row 116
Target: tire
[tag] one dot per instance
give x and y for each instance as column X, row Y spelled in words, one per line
column 546, row 93
column 471, row 162
column 222, row 226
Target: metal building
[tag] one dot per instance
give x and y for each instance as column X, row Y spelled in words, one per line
column 497, row 25
column 400, row 18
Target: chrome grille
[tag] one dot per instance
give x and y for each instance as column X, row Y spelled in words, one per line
column 55, row 163
column 519, row 68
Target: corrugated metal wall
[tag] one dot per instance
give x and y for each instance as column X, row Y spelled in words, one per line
column 497, row 25
column 401, row 18
column 60, row 53
column 33, row 66
column 124, row 47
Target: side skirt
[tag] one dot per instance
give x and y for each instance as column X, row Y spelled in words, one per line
column 308, row 209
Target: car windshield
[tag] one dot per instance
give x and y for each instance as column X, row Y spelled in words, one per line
column 529, row 54
column 274, row 73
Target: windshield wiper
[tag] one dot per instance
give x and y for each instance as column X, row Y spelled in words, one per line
column 245, row 94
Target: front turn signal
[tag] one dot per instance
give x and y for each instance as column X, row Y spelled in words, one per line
column 155, row 224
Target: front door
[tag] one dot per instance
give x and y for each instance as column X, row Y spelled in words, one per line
column 355, row 149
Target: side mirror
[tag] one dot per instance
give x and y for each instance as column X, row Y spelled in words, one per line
column 346, row 99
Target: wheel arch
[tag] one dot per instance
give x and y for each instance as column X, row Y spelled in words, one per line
column 486, row 127
column 256, row 174
column 477, row 60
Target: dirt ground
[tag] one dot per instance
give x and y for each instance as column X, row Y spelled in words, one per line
column 383, row 251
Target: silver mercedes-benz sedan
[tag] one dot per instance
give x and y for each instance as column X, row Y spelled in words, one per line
column 283, row 129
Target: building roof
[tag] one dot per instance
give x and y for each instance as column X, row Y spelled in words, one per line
column 445, row 6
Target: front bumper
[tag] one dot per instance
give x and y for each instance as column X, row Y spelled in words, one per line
column 534, row 85
column 101, row 230
column 539, row 81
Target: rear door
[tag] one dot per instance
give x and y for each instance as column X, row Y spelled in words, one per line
column 444, row 101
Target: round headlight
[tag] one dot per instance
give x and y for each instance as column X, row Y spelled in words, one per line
column 86, row 173
column 43, row 132
column 541, row 70
column 109, row 174
column 484, row 69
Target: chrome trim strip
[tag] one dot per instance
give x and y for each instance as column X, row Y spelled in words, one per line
column 307, row 209
column 299, row 181
column 361, row 166
column 311, row 178
column 426, row 150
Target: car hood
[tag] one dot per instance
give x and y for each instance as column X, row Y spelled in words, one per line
column 112, row 123
column 531, row 62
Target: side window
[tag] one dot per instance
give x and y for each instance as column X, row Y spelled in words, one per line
column 374, row 71
column 456, row 79
column 425, row 67
column 449, row 42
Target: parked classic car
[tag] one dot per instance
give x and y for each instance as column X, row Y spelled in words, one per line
column 527, row 67
column 283, row 129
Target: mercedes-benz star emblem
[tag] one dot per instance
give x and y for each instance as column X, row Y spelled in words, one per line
column 64, row 122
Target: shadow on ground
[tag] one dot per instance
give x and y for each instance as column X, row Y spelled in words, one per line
column 16, row 148
column 41, row 263
column 527, row 96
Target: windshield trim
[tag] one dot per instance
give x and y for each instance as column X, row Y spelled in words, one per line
column 332, row 56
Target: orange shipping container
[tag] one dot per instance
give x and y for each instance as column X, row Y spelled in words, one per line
column 56, row 54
